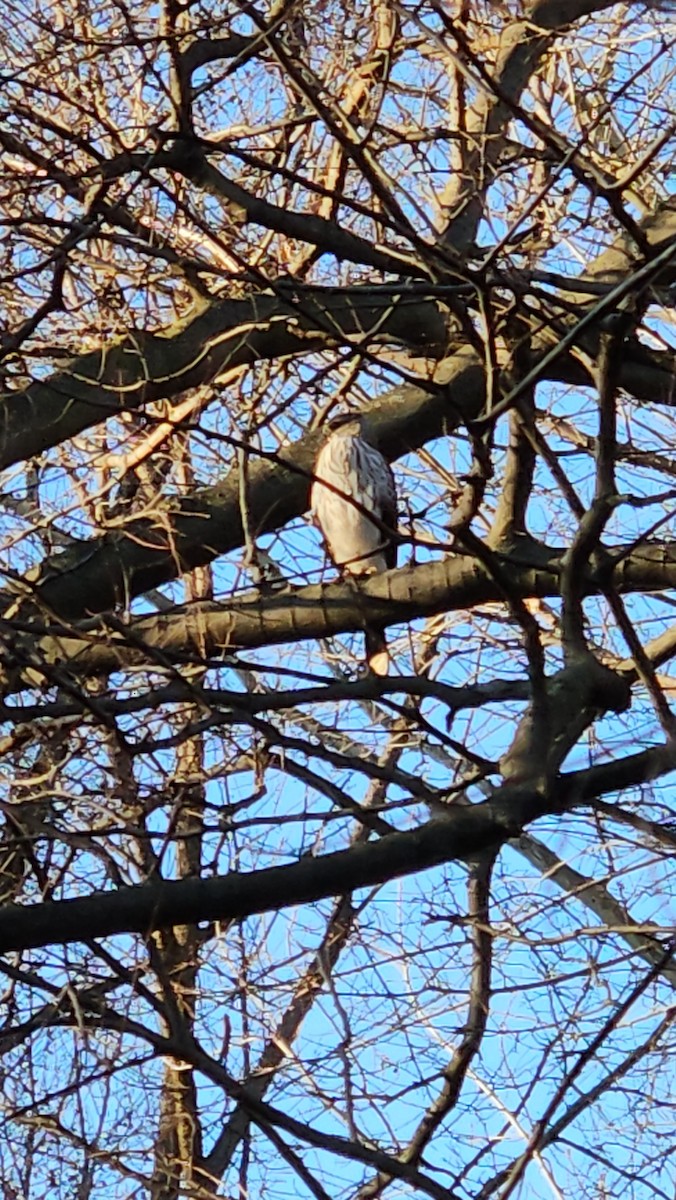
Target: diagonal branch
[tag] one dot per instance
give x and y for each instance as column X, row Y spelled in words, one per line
column 144, row 367
column 461, row 834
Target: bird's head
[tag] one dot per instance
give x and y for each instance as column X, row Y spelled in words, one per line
column 346, row 423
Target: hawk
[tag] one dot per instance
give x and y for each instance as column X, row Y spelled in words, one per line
column 357, row 546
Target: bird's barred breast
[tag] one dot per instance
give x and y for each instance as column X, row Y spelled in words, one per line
column 354, row 470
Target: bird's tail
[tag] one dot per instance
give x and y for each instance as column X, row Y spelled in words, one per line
column 377, row 654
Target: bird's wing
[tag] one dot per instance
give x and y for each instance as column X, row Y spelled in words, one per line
column 387, row 504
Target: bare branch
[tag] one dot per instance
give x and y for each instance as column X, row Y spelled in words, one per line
column 321, row 611
column 144, row 367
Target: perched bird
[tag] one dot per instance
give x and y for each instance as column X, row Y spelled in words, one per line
column 356, row 472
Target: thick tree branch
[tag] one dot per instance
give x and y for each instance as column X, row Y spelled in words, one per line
column 460, row 835
column 127, row 562
column 144, row 367
column 325, row 234
column 324, row 610
column 95, row 576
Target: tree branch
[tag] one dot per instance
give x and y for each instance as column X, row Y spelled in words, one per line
column 144, row 367
column 461, row 834
column 325, row 610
